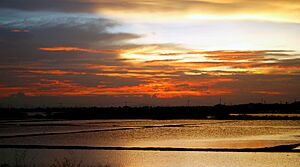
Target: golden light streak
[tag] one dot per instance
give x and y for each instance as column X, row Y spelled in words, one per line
column 269, row 92
column 172, row 11
column 213, row 62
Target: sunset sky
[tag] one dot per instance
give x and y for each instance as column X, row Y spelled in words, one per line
column 148, row 52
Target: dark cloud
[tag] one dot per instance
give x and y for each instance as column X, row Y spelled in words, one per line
column 92, row 6
column 24, row 65
column 48, row 5
column 153, row 6
column 59, row 31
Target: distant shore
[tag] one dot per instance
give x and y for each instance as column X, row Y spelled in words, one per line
column 251, row 111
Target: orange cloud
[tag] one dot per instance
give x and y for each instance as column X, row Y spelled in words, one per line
column 52, row 72
column 67, row 49
column 106, row 67
column 135, row 75
column 6, row 91
column 163, row 77
column 19, row 30
column 219, row 62
column 52, row 82
column 168, row 88
column 269, row 92
column 126, row 71
column 236, row 55
column 188, row 62
column 161, row 88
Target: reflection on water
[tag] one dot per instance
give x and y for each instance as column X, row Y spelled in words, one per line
column 150, row 133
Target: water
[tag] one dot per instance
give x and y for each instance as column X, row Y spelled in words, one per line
column 152, row 133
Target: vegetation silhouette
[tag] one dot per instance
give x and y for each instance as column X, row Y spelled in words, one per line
column 241, row 111
column 63, row 162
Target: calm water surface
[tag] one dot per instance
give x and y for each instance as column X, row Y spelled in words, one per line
column 149, row 133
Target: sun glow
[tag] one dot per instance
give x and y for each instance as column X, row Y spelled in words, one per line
column 257, row 17
column 151, row 53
